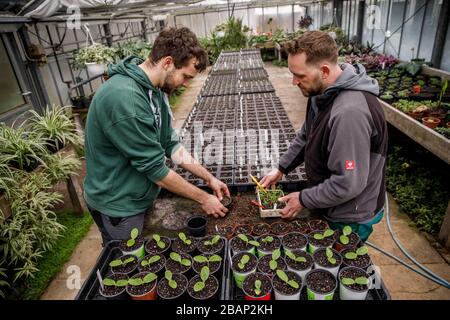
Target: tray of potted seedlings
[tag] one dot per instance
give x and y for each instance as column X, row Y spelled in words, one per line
column 269, row 204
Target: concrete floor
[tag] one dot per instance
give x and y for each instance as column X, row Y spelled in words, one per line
column 400, row 281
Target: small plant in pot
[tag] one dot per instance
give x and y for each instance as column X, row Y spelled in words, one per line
column 179, row 262
column 320, row 285
column 257, row 286
column 301, row 226
column 203, row 286
column 243, row 242
column 280, row 228
column 328, row 259
column 134, row 245
column 153, row 263
column 142, row 286
column 354, row 283
column 346, row 239
column 320, row 239
column 212, row 261
column 260, row 229
column 157, row 244
column 125, row 264
column 268, row 264
column 295, row 241
column 318, row 225
column 172, row 286
column 287, row 285
column 243, row 229
column 114, row 287
column 226, row 231
column 211, row 244
column 267, row 244
column 431, row 122
column 357, row 258
column 243, row 264
column 95, row 57
column 184, row 244
column 298, row 261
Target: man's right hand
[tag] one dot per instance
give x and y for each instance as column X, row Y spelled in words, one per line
column 212, row 206
column 271, row 178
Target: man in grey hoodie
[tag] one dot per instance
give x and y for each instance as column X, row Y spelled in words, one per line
column 343, row 141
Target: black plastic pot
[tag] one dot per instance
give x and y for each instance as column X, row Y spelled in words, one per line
column 196, row 226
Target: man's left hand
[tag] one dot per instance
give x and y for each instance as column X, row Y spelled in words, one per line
column 293, row 205
column 219, row 188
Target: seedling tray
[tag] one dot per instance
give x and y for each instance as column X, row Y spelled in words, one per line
column 90, row 288
column 267, row 213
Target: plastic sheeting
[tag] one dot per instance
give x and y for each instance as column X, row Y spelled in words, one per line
column 49, row 7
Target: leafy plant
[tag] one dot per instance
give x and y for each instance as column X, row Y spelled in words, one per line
column 273, row 264
column 257, row 287
column 120, row 262
column 244, row 238
column 443, row 89
column 96, row 53
column 204, row 275
column 213, row 241
column 283, row 276
column 267, row 239
column 108, row 282
column 320, row 236
column 148, row 278
column 352, row 255
column 151, row 260
column 293, row 257
column 444, row 131
column 3, row 283
column 330, row 256
column 183, row 238
column 346, row 231
column 362, row 281
column 172, row 283
column 133, row 236
column 177, row 257
column 203, row 259
column 244, row 260
column 137, row 48
column 270, row 198
column 161, row 244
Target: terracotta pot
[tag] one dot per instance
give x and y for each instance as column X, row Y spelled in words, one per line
column 431, row 122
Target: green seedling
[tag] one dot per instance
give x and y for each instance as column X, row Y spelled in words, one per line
column 177, row 257
column 183, row 238
column 283, row 276
column 204, row 275
column 352, row 255
column 293, row 257
column 159, row 243
column 244, row 238
column 144, row 280
column 172, row 283
column 346, row 231
column 320, row 236
column 134, row 234
column 213, row 241
column 150, row 260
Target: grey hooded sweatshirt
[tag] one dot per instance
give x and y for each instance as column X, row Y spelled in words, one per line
column 343, row 143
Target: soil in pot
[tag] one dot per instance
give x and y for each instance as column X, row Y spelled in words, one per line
column 257, row 291
column 226, row 231
column 239, row 244
column 115, row 289
column 139, row 241
column 247, row 267
column 321, row 258
column 203, row 260
column 431, row 122
column 184, row 243
column 227, row 202
column 321, row 281
column 165, row 291
column 154, row 262
column 124, row 264
column 157, row 244
column 144, row 287
column 356, row 258
column 174, row 264
column 300, row 225
column 295, row 241
column 280, row 228
column 318, row 225
column 354, row 273
column 321, row 239
column 260, row 229
column 299, row 265
column 243, row 229
column 351, row 240
column 264, row 265
column 210, row 288
column 268, row 243
column 211, row 244
column 284, row 287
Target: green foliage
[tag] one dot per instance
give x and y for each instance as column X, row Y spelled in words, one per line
column 172, row 283
column 204, row 275
column 283, row 276
column 257, row 287
column 352, row 255
column 96, row 53
column 273, row 264
column 111, row 283
column 213, row 241
column 159, row 243
column 244, row 260
column 282, row 63
column 151, row 260
column 320, row 236
column 330, row 256
column 177, row 257
column 362, row 281
column 148, row 278
column 183, row 238
column 137, row 48
column 346, row 231
column 203, row 259
column 270, row 198
column 133, row 236
column 292, row 256
column 244, row 238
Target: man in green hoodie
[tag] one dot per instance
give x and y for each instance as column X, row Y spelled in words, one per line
column 129, row 134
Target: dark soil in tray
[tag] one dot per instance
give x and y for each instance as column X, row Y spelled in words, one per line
column 362, row 261
column 210, row 248
column 210, row 289
column 300, row 265
column 237, row 244
column 280, row 228
column 243, row 229
column 177, row 267
column 249, row 284
column 300, row 225
column 127, row 268
column 320, row 257
column 138, row 243
column 283, row 287
column 260, row 229
column 166, row 292
column 179, row 246
column 294, row 241
column 264, row 267
column 110, row 291
column 318, row 225
column 143, row 288
column 354, row 273
column 152, row 246
column 251, row 264
column 325, row 242
column 213, row 266
column 154, row 267
column 321, row 281
column 269, row 246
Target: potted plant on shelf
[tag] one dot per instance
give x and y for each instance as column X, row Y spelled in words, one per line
column 153, row 263
column 298, row 261
column 211, row 244
column 243, row 242
column 172, row 286
column 357, row 258
column 287, row 285
column 260, row 229
column 354, row 284
column 320, row 239
column 257, row 286
column 431, row 122
column 114, row 286
column 267, row 244
column 243, row 264
column 203, row 286
column 268, row 264
column 179, row 262
column 327, row 259
column 95, row 57
column 157, row 244
column 142, row 286
column 134, row 245
column 212, row 261
column 184, row 244
column 125, row 264
column 346, row 238
column 320, row 285
column 295, row 241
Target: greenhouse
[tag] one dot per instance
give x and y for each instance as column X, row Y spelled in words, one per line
column 224, row 150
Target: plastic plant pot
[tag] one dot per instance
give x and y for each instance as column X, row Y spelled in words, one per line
column 95, row 69
column 346, row 292
column 354, row 241
column 152, row 246
column 321, row 261
column 275, row 244
column 295, row 241
column 211, row 244
column 312, row 246
column 294, row 295
column 197, row 226
column 150, row 263
column 127, row 268
column 300, row 268
column 139, row 253
column 311, row 280
column 149, row 294
column 227, row 202
column 165, row 292
column 239, row 274
column 246, row 248
column 134, row 245
column 211, row 281
column 249, row 290
column 116, row 293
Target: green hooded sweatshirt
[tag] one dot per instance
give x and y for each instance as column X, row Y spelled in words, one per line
column 125, row 146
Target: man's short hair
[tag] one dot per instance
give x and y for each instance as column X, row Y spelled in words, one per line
column 182, row 45
column 317, row 45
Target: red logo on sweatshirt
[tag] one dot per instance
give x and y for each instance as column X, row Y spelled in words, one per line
column 350, row 165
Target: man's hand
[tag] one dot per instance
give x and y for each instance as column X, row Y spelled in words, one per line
column 293, row 205
column 212, row 206
column 271, row 178
column 219, row 188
